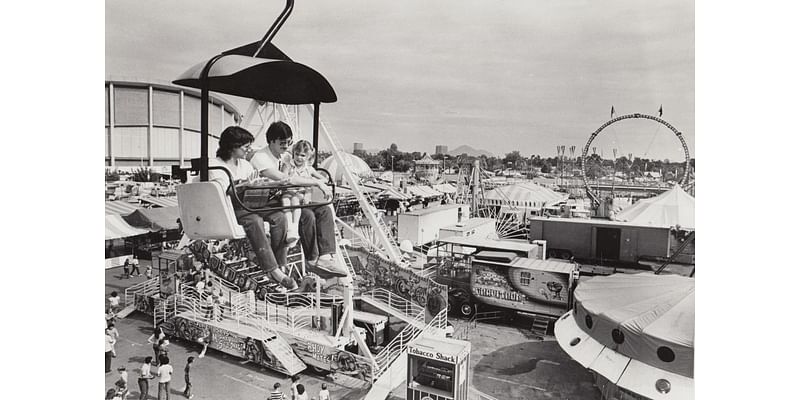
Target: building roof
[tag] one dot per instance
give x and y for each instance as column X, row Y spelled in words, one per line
column 426, row 160
column 470, row 224
column 433, row 209
column 473, row 241
column 215, row 98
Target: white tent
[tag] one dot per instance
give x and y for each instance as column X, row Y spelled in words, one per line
column 636, row 331
column 523, row 195
column 673, row 207
column 355, row 165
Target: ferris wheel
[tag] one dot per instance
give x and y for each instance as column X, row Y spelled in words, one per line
column 472, row 185
column 585, row 152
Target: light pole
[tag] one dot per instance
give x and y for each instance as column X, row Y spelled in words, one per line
column 614, row 175
column 392, row 169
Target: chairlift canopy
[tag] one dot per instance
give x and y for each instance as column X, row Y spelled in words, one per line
column 277, row 81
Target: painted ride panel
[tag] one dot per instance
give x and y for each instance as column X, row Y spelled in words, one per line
column 520, row 289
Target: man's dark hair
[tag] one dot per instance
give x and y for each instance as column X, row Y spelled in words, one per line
column 278, row 130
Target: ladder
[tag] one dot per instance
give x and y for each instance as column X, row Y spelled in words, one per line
column 540, row 325
column 344, row 254
column 283, row 352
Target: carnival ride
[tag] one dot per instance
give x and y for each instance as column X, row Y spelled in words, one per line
column 248, row 316
column 594, row 194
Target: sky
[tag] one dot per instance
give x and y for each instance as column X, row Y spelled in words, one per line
column 526, row 75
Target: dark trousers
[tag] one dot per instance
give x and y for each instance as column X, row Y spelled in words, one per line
column 108, row 361
column 188, row 391
column 144, row 388
column 317, row 234
column 163, row 391
column 270, row 247
column 135, row 269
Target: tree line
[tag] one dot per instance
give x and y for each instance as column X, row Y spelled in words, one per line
column 401, row 161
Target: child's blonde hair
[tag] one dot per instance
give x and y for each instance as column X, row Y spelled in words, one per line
column 303, row 146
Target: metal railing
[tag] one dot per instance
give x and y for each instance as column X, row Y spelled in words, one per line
column 147, row 288
column 397, row 303
column 399, row 344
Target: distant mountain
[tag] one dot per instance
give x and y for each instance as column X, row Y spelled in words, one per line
column 469, row 150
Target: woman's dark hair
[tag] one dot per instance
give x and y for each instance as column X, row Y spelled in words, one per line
column 278, row 130
column 300, row 388
column 231, row 138
column 148, row 360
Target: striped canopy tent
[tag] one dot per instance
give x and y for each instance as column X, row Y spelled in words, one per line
column 355, row 165
column 120, row 207
column 155, row 219
column 642, row 341
column 344, row 191
column 160, row 201
column 387, row 191
column 117, row 228
column 422, row 191
column 523, row 195
column 673, row 207
column 445, row 188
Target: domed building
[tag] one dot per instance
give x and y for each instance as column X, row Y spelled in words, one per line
column 155, row 124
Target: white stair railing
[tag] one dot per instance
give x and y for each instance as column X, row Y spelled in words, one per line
column 146, row 288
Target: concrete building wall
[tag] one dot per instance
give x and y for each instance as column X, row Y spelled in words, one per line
column 155, row 124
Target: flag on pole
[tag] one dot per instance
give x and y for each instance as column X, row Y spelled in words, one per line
column 612, row 111
column 660, row 110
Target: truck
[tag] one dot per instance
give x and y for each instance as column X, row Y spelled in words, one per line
column 510, row 276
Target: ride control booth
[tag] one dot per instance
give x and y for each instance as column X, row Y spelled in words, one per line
column 438, row 369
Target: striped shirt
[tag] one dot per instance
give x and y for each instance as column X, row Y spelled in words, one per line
column 276, row 395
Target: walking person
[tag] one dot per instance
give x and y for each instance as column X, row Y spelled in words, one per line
column 144, row 378
column 188, row 390
column 113, row 302
column 109, row 350
column 155, row 339
column 276, row 393
column 126, row 269
column 135, row 266
column 114, row 334
column 164, row 378
column 122, row 382
column 301, row 392
column 162, row 349
column 324, row 394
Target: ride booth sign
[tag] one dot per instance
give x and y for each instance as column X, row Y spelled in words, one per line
column 438, row 369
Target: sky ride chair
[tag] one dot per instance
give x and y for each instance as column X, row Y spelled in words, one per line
column 262, row 72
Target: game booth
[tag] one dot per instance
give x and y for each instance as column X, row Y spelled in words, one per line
column 438, row 369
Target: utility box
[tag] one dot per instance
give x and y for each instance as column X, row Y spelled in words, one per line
column 422, row 226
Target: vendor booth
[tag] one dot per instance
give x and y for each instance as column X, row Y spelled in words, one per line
column 438, row 369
